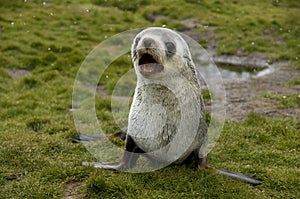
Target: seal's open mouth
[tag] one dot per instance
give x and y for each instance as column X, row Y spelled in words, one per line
column 148, row 65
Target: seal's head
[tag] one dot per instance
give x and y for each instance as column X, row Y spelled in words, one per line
column 159, row 52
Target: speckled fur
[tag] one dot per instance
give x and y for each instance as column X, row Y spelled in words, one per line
column 163, row 100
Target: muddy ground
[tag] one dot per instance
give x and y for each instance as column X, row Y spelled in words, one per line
column 246, row 95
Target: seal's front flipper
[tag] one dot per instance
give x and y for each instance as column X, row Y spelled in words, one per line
column 130, row 156
column 120, row 134
column 88, row 137
column 94, row 137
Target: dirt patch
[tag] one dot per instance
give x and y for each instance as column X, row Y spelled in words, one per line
column 245, row 95
column 72, row 191
column 18, row 73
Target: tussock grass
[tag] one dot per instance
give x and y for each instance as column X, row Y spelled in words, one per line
column 51, row 39
column 285, row 101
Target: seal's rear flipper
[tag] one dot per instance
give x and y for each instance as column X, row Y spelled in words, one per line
column 94, row 137
column 236, row 175
column 202, row 163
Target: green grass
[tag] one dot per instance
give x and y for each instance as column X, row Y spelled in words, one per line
column 285, row 101
column 293, row 82
column 51, row 39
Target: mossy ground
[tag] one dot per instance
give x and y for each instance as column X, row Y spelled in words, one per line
column 51, row 39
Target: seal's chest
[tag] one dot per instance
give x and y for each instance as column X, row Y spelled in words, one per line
column 154, row 117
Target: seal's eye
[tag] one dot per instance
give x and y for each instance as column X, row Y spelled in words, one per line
column 136, row 42
column 171, row 49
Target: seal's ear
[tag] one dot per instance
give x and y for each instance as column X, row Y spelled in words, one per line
column 188, row 58
column 189, row 71
column 190, row 64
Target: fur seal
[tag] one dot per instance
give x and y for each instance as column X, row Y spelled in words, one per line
column 167, row 106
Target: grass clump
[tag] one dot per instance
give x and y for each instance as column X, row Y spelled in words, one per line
column 97, row 187
column 293, row 82
column 4, row 75
column 37, row 124
column 285, row 101
column 206, row 94
column 29, row 82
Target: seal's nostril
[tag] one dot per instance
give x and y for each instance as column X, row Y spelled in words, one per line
column 148, row 42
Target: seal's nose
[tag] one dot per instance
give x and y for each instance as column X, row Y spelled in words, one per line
column 148, row 42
